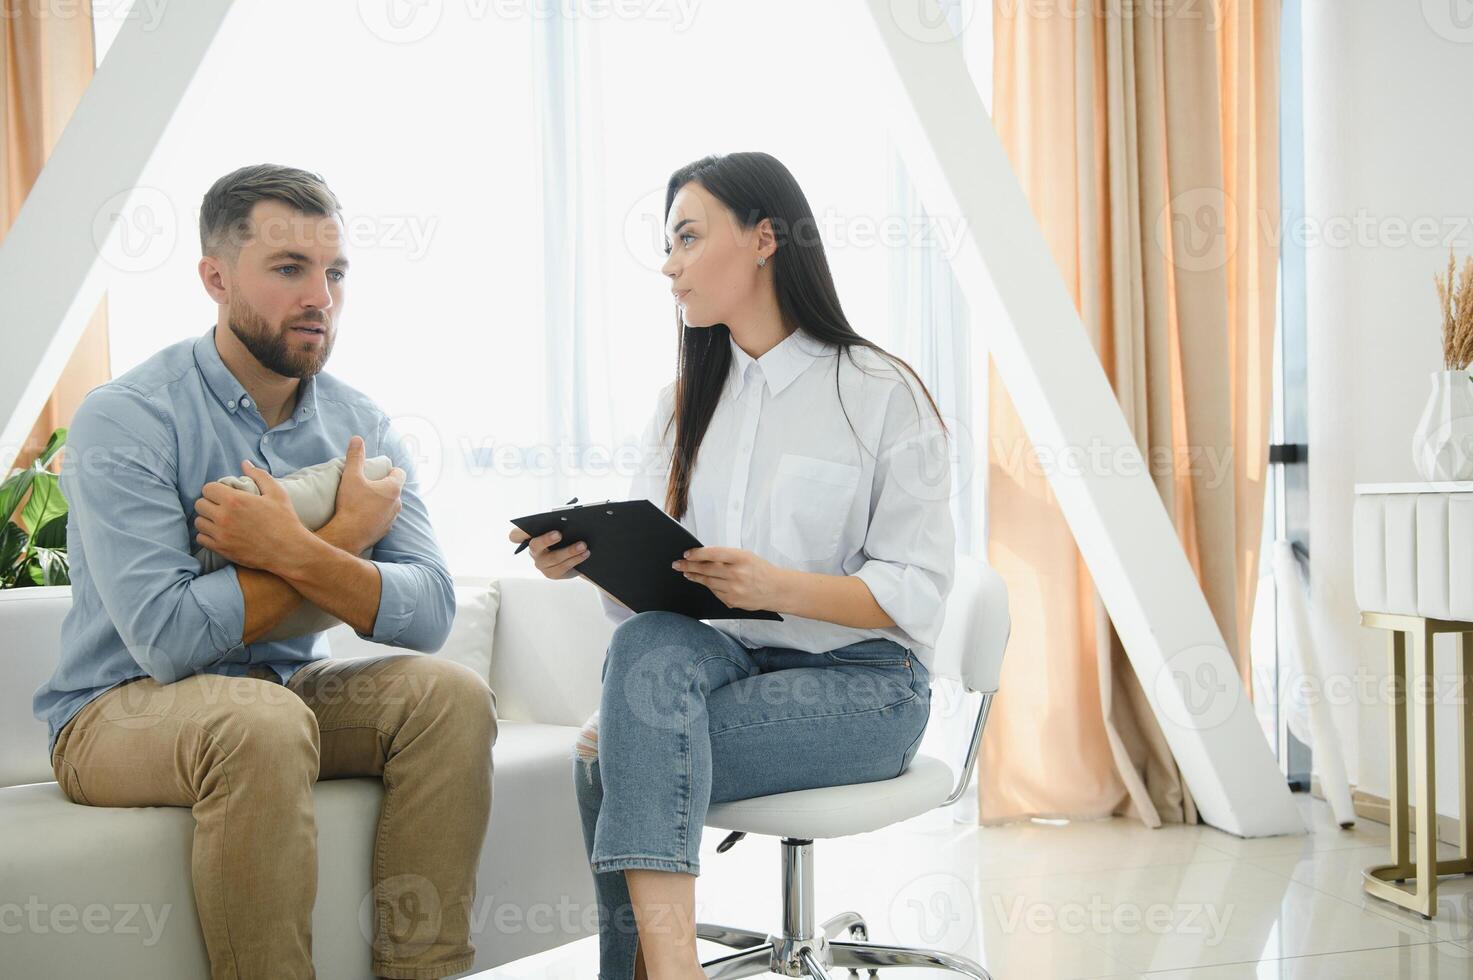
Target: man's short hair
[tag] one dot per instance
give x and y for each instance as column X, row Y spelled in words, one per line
column 225, row 213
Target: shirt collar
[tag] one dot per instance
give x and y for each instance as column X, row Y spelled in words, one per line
column 780, row 365
column 231, row 393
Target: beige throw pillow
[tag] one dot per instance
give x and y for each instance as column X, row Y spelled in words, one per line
column 313, row 492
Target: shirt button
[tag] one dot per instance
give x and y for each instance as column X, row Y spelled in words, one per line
column 230, row 405
column 245, row 403
column 266, row 438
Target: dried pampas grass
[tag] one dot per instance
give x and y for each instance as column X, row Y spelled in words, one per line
column 1455, row 298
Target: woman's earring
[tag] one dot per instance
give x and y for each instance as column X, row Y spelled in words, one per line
column 761, row 261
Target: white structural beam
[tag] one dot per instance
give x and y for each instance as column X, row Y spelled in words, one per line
column 1065, row 403
column 50, row 281
column 50, row 267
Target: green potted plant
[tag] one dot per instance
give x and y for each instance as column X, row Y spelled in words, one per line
column 33, row 523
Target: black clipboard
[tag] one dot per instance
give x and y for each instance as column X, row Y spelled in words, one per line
column 631, row 545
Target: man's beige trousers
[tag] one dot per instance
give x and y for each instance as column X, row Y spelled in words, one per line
column 243, row 753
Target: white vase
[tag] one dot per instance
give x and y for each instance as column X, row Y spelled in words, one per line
column 1442, row 446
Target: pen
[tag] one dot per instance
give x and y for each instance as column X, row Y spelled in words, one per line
column 523, row 546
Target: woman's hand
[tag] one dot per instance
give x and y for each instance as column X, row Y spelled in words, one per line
column 740, row 579
column 559, row 564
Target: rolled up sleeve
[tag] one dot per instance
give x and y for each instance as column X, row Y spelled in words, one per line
column 119, row 477
column 910, row 546
column 417, row 593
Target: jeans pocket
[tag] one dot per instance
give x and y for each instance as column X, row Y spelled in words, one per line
column 868, row 653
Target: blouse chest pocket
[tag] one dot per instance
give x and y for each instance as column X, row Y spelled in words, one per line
column 811, row 499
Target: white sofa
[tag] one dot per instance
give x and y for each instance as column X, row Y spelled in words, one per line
column 105, row 892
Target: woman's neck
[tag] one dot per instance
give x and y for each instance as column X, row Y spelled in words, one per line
column 760, row 329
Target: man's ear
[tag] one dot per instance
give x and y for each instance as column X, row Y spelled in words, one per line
column 212, row 273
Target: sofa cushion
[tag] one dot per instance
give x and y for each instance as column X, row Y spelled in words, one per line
column 471, row 635
column 559, row 632
column 106, row 891
column 30, row 622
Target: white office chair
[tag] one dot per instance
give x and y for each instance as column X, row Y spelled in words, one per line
column 970, row 650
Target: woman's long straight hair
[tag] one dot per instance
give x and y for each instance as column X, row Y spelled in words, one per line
column 755, row 186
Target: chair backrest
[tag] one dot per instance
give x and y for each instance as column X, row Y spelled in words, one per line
column 974, row 635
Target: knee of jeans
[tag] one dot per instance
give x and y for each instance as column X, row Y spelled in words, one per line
column 266, row 720
column 642, row 630
column 460, row 689
column 648, row 635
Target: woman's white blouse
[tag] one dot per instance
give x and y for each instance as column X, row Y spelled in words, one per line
column 781, row 473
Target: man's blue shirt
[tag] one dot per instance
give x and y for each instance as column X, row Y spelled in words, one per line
column 139, row 452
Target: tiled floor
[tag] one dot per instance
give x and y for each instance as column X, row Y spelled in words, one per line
column 1106, row 899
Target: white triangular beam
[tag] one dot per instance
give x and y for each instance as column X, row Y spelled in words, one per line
column 50, row 280
column 51, row 274
column 1064, row 401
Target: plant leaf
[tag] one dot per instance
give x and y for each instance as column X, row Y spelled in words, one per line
column 46, row 502
column 54, row 567
column 52, row 534
column 12, row 490
column 53, row 446
column 13, row 540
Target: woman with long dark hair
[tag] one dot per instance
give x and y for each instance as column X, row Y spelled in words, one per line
column 814, row 468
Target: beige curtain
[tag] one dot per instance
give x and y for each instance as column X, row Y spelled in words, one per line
column 1145, row 136
column 48, row 64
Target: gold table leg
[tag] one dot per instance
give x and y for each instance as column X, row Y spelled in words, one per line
column 1414, row 675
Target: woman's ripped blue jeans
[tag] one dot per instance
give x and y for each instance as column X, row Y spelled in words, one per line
column 690, row 717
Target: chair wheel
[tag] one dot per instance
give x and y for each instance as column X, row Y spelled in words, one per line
column 860, row 934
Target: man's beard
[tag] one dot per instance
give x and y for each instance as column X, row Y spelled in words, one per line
column 273, row 347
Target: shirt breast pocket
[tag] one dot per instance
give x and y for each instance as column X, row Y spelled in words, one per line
column 811, row 498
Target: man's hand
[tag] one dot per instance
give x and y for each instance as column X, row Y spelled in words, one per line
column 741, row 579
column 244, row 529
column 366, row 508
